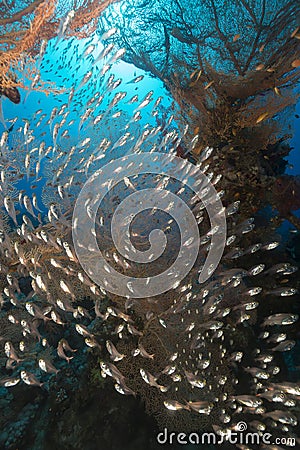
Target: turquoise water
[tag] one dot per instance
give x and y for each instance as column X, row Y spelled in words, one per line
column 57, row 139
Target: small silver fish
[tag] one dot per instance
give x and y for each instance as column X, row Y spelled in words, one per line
column 61, row 347
column 30, row 379
column 46, row 366
column 174, row 405
column 284, row 346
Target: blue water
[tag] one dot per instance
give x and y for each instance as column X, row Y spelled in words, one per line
column 64, row 66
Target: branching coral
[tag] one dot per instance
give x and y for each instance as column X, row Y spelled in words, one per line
column 180, row 350
column 16, row 49
column 20, row 43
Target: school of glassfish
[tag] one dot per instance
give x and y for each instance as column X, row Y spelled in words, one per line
column 181, row 351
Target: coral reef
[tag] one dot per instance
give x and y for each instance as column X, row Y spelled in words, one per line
column 25, row 31
column 200, row 356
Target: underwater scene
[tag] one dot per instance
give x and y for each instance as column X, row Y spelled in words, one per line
column 149, row 224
